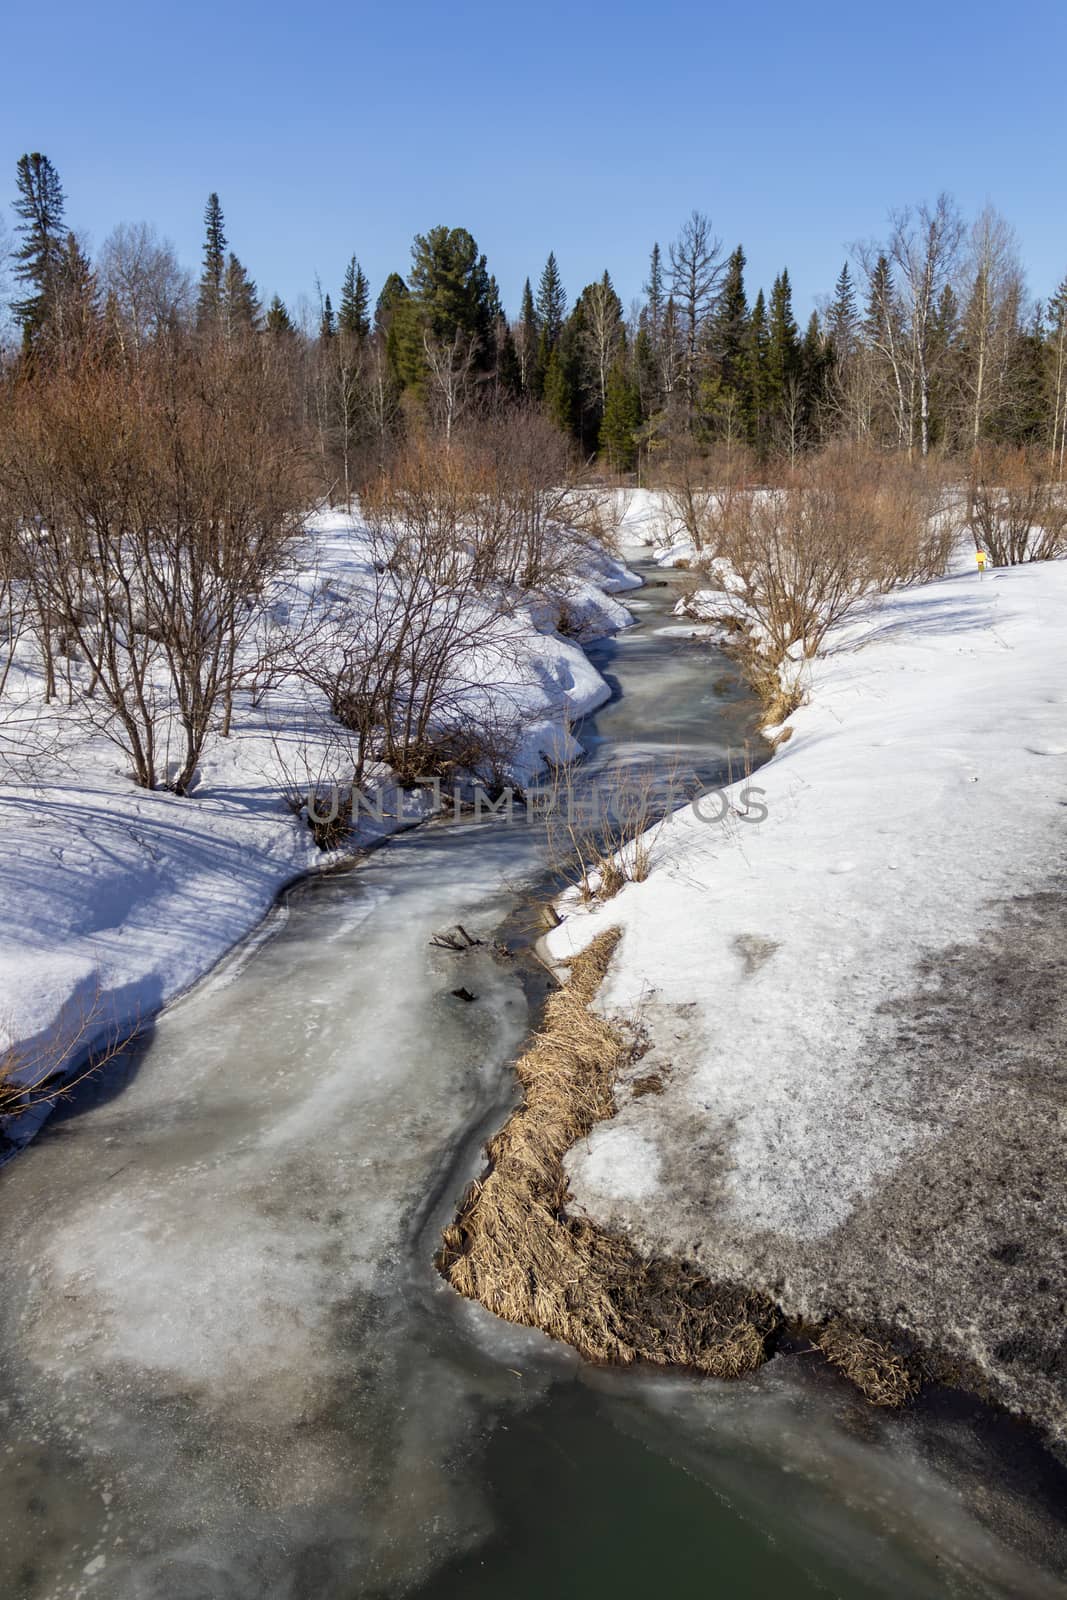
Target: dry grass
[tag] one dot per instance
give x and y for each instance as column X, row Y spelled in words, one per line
column 515, row 1247
column 876, row 1370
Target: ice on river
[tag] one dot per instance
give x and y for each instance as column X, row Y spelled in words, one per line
column 227, row 1366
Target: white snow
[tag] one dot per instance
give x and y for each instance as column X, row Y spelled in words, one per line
column 925, row 779
column 114, row 899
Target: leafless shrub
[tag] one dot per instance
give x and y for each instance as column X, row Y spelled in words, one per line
column 834, row 530
column 82, row 1041
column 153, row 504
column 1018, row 507
column 701, row 495
column 498, row 497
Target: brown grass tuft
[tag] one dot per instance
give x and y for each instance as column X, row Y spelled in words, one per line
column 515, row 1247
column 876, row 1370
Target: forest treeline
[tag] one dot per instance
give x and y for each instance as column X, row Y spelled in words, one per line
column 927, row 343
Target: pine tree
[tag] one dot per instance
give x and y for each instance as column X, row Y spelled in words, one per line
column 211, row 301
column 327, row 324
column 621, row 419
column 551, row 302
column 451, row 284
column 353, row 317
column 453, row 301
column 278, row 318
column 40, row 257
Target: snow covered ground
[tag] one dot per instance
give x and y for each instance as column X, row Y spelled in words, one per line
column 856, row 1003
column 114, row 899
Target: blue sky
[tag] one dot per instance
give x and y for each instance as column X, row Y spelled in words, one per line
column 589, row 130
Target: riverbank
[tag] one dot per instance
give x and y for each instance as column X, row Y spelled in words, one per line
column 854, row 1006
column 114, row 899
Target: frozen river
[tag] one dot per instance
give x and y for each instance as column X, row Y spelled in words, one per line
column 229, row 1370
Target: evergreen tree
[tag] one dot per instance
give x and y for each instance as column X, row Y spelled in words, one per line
column 621, row 419
column 1054, row 364
column 353, row 318
column 816, row 362
column 211, row 301
column 394, row 289
column 40, row 257
column 452, row 300
column 528, row 335
column 654, row 291
column 783, row 344
column 559, row 392
column 728, row 341
column 240, row 301
column 758, row 358
column 327, row 323
column 881, row 301
column 508, row 367
column 76, row 315
column 451, row 285
column 389, row 317
column 842, row 323
column 551, row 303
column 278, row 318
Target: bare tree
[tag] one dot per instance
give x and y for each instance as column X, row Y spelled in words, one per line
column 696, row 272
column 140, row 276
column 923, row 248
column 451, row 377
column 993, row 293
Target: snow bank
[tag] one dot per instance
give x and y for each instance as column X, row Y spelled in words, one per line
column 114, row 899
column 855, row 1003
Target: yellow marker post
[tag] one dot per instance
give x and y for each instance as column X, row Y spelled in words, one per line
column 982, row 559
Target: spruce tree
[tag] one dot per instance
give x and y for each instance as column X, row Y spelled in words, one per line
column 551, row 302
column 76, row 315
column 816, row 362
column 559, row 393
column 353, row 317
column 529, row 332
column 621, row 419
column 757, row 359
column 278, row 318
column 654, row 291
column 783, row 344
column 240, row 300
column 508, row 368
column 728, row 335
column 211, row 300
column 841, row 320
column 40, row 256
column 327, row 324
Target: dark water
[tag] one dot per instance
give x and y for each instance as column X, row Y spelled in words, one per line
column 228, row 1369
